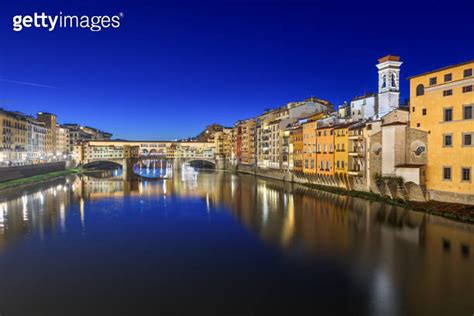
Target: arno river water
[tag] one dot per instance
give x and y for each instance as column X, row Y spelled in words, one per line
column 224, row 244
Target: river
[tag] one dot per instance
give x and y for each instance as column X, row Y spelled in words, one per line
column 216, row 243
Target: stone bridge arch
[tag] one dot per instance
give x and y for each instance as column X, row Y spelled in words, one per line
column 90, row 164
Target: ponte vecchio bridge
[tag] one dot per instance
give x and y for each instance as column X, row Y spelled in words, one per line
column 130, row 154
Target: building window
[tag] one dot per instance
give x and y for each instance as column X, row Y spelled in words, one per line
column 420, row 90
column 306, row 163
column 467, row 112
column 312, row 164
column 342, row 164
column 447, row 140
column 448, row 114
column 465, row 174
column 447, row 173
column 413, row 109
column 447, row 93
column 418, row 124
column 467, row 139
column 467, row 89
column 423, row 111
column 433, row 81
column 448, row 77
column 467, row 72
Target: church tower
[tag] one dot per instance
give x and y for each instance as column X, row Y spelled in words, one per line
column 389, row 84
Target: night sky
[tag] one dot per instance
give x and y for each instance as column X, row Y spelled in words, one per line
column 174, row 67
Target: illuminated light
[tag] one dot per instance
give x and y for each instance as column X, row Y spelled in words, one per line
column 81, row 210
column 62, row 217
column 24, row 200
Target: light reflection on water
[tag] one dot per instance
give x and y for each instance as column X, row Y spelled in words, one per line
column 318, row 250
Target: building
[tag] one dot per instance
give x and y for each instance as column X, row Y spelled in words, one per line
column 398, row 155
column 77, row 133
column 62, row 142
column 442, row 103
column 309, row 146
column 325, row 148
column 247, row 153
column 364, row 107
column 223, row 143
column 344, row 110
column 341, row 145
column 13, row 138
column 49, row 121
column 37, row 137
column 296, row 147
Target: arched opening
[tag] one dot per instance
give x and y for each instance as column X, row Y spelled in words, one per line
column 103, row 169
column 420, row 90
column 202, row 164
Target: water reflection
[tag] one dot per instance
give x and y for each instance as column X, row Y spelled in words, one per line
column 408, row 262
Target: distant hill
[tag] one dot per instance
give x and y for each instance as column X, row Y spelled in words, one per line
column 207, row 133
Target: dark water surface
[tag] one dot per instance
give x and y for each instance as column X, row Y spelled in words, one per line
column 221, row 244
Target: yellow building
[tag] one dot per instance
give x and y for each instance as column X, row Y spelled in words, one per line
column 442, row 103
column 13, row 138
column 248, row 142
column 341, row 144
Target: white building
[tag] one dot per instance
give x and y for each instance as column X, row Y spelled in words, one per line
column 364, row 107
column 36, row 146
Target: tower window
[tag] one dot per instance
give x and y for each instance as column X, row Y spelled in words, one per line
column 423, row 112
column 420, row 90
column 448, row 77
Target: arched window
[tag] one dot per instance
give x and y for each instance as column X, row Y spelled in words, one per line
column 420, row 90
column 384, row 82
column 394, row 81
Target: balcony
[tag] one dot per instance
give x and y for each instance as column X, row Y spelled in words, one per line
column 356, row 137
column 356, row 154
column 355, row 173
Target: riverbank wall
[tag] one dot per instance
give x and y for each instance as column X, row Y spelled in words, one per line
column 18, row 172
column 390, row 193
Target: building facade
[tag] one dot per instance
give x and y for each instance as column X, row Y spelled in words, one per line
column 442, row 104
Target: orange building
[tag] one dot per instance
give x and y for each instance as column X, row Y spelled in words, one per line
column 296, row 152
column 325, row 143
column 309, row 147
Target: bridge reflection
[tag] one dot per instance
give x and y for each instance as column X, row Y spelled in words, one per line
column 153, row 168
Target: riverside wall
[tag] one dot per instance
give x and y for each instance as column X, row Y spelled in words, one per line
column 18, row 172
column 407, row 193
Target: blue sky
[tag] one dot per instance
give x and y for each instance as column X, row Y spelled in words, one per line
column 175, row 66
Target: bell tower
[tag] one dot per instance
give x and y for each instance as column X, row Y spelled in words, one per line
column 389, row 84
